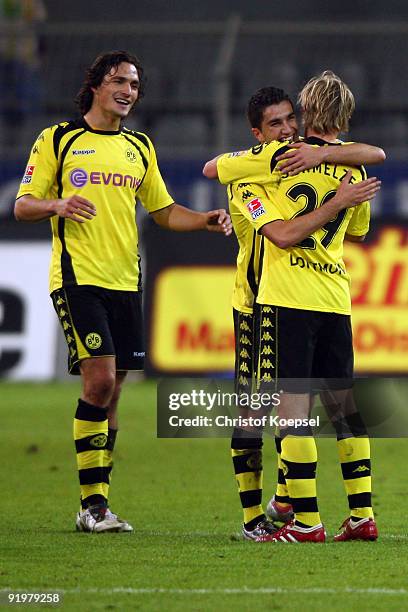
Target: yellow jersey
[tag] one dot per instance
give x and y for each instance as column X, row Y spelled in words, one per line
column 112, row 170
column 310, row 275
column 250, row 250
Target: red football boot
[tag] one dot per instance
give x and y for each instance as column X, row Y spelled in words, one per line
column 364, row 529
column 292, row 533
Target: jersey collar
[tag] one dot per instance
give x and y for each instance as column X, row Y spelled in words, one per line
column 88, row 128
column 315, row 140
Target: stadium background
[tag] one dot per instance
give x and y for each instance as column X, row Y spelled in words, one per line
column 202, row 63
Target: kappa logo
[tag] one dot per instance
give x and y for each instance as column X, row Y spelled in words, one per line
column 246, row 194
column 98, row 441
column 255, row 208
column 83, row 151
column 93, row 341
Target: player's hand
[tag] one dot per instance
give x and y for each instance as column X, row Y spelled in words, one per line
column 76, row 208
column 301, row 156
column 349, row 194
column 219, row 221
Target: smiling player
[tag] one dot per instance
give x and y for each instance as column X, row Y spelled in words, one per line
column 272, row 118
column 85, row 176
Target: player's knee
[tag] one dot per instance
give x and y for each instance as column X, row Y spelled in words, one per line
column 100, row 388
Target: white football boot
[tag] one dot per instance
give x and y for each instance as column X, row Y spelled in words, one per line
column 125, row 525
column 95, row 519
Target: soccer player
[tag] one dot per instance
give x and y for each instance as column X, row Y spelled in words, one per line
column 85, row 176
column 267, row 161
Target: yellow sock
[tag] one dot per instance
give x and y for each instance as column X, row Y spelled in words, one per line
column 354, row 454
column 90, row 435
column 299, row 458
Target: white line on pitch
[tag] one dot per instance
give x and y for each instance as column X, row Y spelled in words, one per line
column 224, row 591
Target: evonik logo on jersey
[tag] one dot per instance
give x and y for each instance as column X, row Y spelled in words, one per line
column 255, row 207
column 79, row 178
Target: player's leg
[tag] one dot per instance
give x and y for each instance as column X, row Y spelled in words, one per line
column 113, row 426
column 279, row 507
column 246, row 445
column 352, row 440
column 91, row 427
column 91, row 353
column 126, row 326
column 291, row 336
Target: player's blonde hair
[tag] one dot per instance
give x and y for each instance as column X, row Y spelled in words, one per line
column 327, row 104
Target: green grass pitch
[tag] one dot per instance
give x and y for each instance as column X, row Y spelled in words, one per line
column 181, row 497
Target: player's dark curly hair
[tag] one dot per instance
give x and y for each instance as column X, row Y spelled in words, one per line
column 99, row 69
column 260, row 100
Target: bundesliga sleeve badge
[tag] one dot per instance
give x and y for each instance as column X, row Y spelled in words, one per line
column 255, row 208
column 29, row 171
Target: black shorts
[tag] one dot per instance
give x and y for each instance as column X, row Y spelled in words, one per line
column 244, row 330
column 302, row 350
column 100, row 322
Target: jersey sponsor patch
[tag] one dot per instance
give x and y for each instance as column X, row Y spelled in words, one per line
column 28, row 174
column 256, row 209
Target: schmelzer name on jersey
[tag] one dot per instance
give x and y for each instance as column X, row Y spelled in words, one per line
column 255, row 207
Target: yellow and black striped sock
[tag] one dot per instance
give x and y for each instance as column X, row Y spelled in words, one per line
column 108, row 460
column 354, row 453
column 281, row 495
column 247, row 460
column 90, row 435
column 299, row 458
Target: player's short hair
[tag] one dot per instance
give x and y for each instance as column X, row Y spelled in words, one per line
column 266, row 96
column 95, row 74
column 327, row 103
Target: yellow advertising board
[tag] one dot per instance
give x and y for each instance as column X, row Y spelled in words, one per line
column 192, row 320
column 192, row 329
column 379, row 289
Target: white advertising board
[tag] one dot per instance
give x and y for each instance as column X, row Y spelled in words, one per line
column 28, row 325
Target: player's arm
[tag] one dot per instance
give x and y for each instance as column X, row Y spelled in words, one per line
column 285, row 234
column 303, row 156
column 252, row 165
column 31, row 209
column 181, row 219
column 210, row 168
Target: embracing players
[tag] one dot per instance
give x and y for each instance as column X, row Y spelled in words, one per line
column 289, row 222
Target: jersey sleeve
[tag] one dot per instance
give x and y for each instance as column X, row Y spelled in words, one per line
column 42, row 166
column 359, row 223
column 253, row 202
column 255, row 165
column 153, row 192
